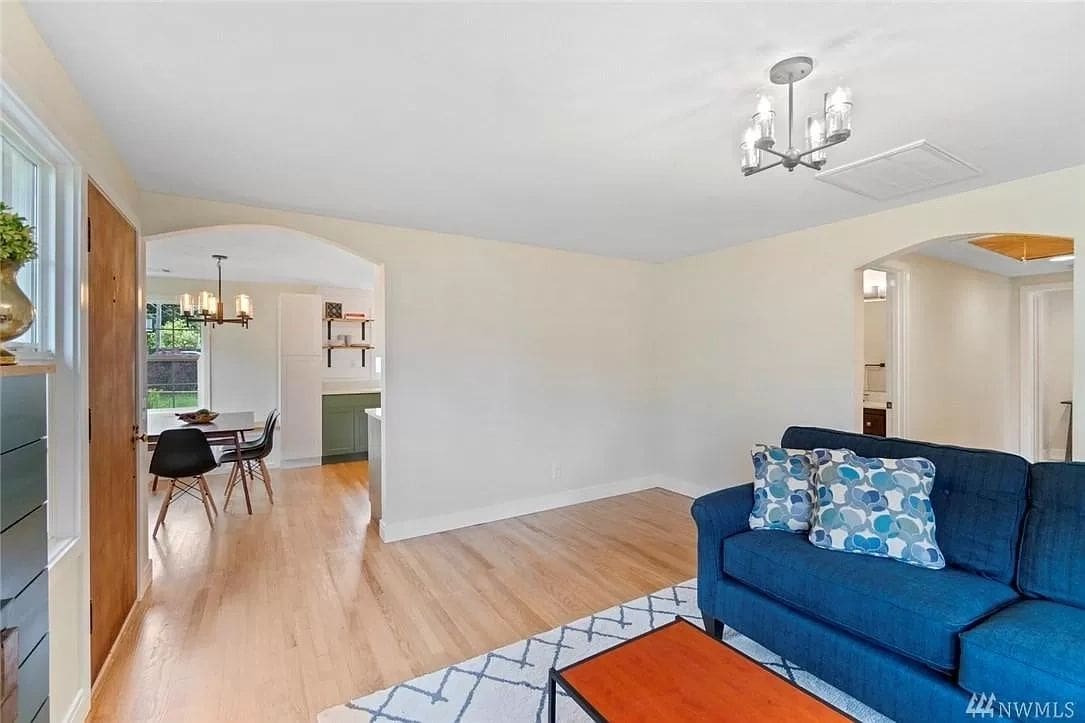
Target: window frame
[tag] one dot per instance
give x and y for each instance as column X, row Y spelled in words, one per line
column 40, row 342
column 63, row 325
column 202, row 365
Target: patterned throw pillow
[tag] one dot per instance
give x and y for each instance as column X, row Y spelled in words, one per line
column 876, row 507
column 783, row 487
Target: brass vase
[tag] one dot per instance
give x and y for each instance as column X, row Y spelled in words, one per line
column 16, row 310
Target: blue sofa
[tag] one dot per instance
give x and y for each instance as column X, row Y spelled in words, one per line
column 1005, row 617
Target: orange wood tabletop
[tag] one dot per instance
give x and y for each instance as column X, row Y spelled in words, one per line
column 679, row 673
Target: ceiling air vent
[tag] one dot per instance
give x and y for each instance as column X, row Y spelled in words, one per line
column 909, row 169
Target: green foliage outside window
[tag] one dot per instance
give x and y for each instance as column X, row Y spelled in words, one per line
column 168, row 330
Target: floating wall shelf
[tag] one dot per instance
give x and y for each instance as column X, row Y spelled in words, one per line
column 329, row 345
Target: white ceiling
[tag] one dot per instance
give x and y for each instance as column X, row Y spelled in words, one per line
column 958, row 250
column 610, row 129
column 267, row 254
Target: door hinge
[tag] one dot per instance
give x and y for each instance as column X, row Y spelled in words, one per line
column 90, row 423
column 88, row 233
column 92, row 616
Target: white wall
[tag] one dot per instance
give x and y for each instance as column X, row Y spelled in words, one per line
column 962, row 331
column 32, row 72
column 516, row 377
column 764, row 335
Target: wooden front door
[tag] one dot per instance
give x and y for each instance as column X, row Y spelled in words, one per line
column 113, row 302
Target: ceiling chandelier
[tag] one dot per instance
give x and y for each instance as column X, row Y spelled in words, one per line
column 207, row 307
column 829, row 129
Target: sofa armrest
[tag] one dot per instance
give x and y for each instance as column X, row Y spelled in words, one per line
column 718, row 515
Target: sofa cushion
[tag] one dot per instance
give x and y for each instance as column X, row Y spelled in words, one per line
column 1053, row 546
column 1031, row 651
column 911, row 610
column 979, row 497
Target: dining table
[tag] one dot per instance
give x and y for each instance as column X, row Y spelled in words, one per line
column 227, row 430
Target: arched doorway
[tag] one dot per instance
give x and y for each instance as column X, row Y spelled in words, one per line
column 314, row 347
column 975, row 334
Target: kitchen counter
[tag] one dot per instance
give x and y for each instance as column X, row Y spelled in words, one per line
column 350, row 387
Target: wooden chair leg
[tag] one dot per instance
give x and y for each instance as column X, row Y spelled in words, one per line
column 230, row 484
column 207, row 491
column 154, row 484
column 162, row 510
column 204, row 497
column 266, row 477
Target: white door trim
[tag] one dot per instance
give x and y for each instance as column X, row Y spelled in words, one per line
column 1031, row 420
column 896, row 357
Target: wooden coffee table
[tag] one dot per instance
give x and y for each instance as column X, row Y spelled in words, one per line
column 677, row 672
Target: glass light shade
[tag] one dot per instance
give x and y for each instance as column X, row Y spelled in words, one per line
column 243, row 306
column 213, row 307
column 764, row 121
column 207, row 303
column 838, row 114
column 187, row 304
column 815, row 136
column 751, row 154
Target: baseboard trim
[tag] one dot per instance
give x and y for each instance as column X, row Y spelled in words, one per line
column 79, row 709
column 146, row 575
column 352, row 457
column 392, row 531
column 683, row 487
column 300, row 462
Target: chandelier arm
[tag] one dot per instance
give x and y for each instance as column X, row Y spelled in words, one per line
column 775, row 153
column 807, row 164
column 822, row 147
column 762, row 168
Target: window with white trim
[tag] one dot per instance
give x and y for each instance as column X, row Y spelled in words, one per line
column 174, row 347
column 27, row 186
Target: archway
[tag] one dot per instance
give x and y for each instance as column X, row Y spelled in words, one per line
column 977, row 335
column 307, row 341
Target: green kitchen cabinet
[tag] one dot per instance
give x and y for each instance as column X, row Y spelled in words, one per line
column 345, row 427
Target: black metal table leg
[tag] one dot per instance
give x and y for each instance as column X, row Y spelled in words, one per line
column 553, row 692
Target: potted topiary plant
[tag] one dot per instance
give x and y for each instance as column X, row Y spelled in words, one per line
column 17, row 246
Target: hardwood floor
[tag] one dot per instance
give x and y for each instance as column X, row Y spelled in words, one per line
column 300, row 607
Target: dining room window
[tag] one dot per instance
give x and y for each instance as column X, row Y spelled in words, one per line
column 174, row 348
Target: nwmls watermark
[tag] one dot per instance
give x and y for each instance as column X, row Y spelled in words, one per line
column 985, row 705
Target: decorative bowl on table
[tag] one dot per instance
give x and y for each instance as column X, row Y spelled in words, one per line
column 200, row 416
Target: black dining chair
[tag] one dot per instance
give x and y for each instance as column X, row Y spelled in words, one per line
column 269, row 426
column 252, row 457
column 180, row 455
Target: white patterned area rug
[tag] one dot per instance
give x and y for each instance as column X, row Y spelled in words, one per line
column 508, row 685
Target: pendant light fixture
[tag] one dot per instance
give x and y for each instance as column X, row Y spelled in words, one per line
column 208, row 309
column 827, row 129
